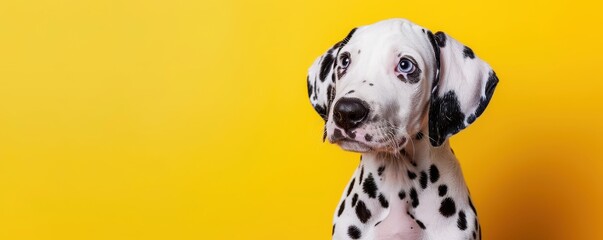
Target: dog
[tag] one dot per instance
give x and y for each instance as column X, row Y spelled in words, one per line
column 396, row 92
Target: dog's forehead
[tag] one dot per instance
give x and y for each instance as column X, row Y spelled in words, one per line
column 388, row 33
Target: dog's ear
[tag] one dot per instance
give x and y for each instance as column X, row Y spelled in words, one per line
column 461, row 91
column 321, row 78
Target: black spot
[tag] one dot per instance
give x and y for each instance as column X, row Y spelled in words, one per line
column 421, row 225
column 410, row 215
column 415, row 76
column 351, row 134
column 310, row 88
column 440, row 39
column 354, row 232
column 361, row 174
column 362, row 212
column 488, row 92
column 354, row 199
column 325, row 66
column 419, row 136
column 414, row 198
column 383, row 201
column 368, row 137
column 337, row 134
column 434, row 173
column 377, row 223
column 468, row 53
column 402, row 194
column 370, row 84
column 333, row 231
column 423, row 179
column 380, row 170
column 402, row 78
column 351, row 91
column 370, row 187
column 351, row 186
column 474, row 235
column 341, row 208
column 330, row 93
column 423, row 30
column 322, row 111
column 462, row 222
column 442, row 190
column 445, row 117
column 333, row 77
column 403, row 152
column 411, row 175
column 471, row 205
column 447, row 208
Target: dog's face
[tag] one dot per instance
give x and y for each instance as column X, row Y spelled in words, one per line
column 385, row 82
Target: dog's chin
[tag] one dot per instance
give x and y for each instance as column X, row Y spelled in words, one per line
column 354, row 146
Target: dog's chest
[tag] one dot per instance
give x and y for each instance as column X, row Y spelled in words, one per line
column 380, row 202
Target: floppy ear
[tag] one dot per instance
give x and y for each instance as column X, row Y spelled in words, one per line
column 462, row 92
column 321, row 78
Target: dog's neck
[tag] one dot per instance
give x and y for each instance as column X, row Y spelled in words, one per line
column 418, row 155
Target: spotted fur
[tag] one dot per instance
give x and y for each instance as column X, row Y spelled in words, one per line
column 409, row 184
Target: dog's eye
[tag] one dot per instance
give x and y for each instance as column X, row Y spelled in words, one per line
column 406, row 66
column 345, row 60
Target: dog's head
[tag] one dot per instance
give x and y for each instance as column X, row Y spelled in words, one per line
column 385, row 82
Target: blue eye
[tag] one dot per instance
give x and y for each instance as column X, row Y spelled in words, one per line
column 405, row 66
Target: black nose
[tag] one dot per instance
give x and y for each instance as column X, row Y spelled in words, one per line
column 350, row 112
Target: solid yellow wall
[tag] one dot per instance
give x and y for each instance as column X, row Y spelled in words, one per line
column 190, row 119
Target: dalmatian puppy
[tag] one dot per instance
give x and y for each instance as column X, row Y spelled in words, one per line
column 395, row 92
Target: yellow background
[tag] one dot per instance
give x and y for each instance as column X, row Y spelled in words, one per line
column 190, row 120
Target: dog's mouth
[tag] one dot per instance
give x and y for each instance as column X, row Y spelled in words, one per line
column 386, row 145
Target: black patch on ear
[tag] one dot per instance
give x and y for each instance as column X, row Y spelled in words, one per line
column 468, row 53
column 326, row 64
column 348, row 37
column 436, row 51
column 441, row 39
column 489, row 91
column 445, row 117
